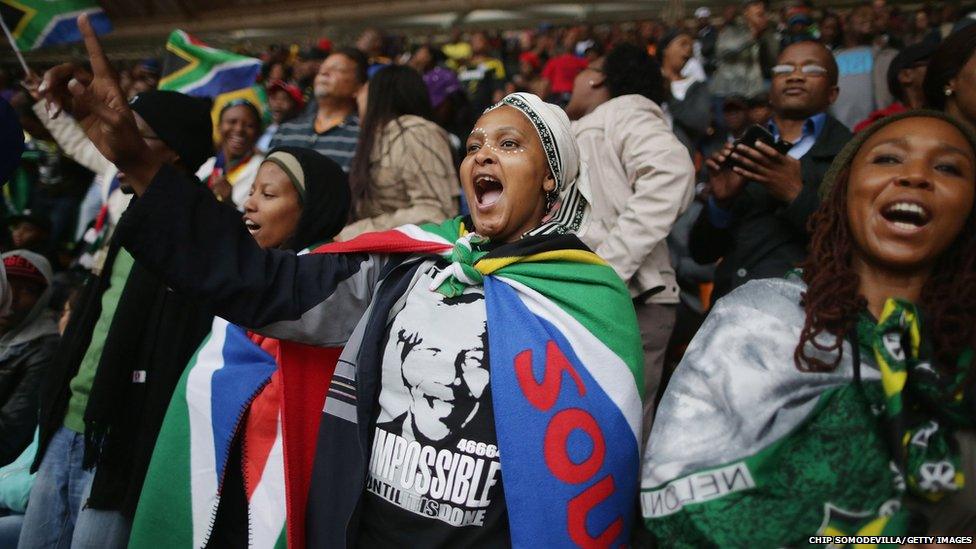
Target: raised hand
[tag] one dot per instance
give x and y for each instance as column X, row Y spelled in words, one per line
column 102, row 111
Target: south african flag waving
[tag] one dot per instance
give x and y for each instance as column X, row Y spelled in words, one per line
column 39, row 23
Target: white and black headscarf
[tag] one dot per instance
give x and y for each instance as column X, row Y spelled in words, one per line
column 570, row 205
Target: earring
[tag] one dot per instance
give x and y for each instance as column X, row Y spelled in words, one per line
column 948, row 91
column 550, row 200
column 591, row 83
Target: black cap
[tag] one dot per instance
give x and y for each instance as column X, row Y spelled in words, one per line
column 181, row 121
column 916, row 53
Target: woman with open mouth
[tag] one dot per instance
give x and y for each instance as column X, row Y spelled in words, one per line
column 841, row 399
column 514, row 340
column 231, row 172
column 299, row 200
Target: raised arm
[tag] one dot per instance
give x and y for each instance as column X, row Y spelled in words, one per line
column 200, row 247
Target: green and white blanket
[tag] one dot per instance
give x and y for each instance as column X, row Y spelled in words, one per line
column 748, row 450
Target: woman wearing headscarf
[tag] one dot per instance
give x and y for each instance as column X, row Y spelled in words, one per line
column 28, row 339
column 299, row 200
column 230, row 173
column 403, row 170
column 460, row 347
column 840, row 400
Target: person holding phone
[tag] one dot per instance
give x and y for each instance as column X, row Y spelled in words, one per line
column 762, row 190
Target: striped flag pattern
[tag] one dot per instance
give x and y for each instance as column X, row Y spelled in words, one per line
column 225, row 379
column 39, row 23
column 196, row 69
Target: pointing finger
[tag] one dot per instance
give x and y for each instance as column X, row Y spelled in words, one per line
column 100, row 64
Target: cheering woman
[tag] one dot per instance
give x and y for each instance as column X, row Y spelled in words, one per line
column 840, row 400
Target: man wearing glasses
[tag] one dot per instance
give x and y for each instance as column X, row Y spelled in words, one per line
column 760, row 198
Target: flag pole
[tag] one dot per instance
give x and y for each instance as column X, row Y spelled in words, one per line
column 13, row 44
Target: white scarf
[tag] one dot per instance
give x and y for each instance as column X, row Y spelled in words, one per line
column 569, row 211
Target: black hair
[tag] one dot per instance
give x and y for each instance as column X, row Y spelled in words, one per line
column 240, row 103
column 357, row 57
column 266, row 69
column 630, row 70
column 394, row 91
column 945, row 63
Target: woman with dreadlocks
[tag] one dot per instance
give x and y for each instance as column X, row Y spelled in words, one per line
column 839, row 400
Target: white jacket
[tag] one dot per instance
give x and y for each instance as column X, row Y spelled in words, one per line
column 641, row 179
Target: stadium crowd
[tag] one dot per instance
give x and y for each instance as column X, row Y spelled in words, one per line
column 725, row 267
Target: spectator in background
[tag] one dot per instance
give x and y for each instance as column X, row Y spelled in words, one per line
column 688, row 102
column 529, row 77
column 332, row 127
column 307, row 65
column 735, row 117
column 285, row 102
column 950, row 80
column 863, row 69
column 29, row 231
column 450, row 105
column 830, row 31
column 58, row 182
column 403, row 171
column 482, row 75
column 145, row 75
column 230, row 173
column 742, row 50
column 560, row 72
column 370, row 42
column 759, row 110
column 457, row 50
column 798, row 29
column 276, row 70
column 28, row 340
column 905, row 77
column 921, row 30
column 756, row 217
column 641, row 180
column 706, row 37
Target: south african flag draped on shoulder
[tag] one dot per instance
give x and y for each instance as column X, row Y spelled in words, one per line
column 749, row 450
column 233, row 387
column 565, row 377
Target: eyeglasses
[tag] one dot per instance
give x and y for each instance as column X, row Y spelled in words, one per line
column 808, row 70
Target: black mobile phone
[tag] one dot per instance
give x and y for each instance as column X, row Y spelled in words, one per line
column 758, row 134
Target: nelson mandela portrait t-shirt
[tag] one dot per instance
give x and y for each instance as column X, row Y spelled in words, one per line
column 434, row 471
